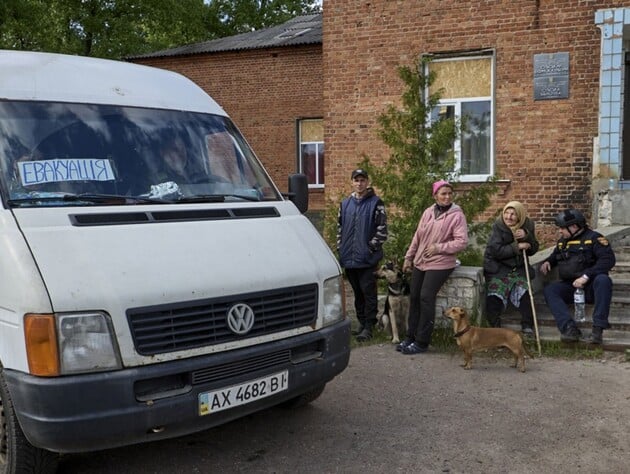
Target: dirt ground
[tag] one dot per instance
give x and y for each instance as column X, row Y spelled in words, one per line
column 424, row 414
column 427, row 414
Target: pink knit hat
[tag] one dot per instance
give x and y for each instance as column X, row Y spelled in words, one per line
column 438, row 184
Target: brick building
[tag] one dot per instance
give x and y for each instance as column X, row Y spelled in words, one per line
column 543, row 81
column 553, row 132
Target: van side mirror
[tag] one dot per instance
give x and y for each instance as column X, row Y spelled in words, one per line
column 298, row 191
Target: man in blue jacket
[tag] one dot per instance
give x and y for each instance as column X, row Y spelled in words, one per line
column 361, row 232
column 584, row 258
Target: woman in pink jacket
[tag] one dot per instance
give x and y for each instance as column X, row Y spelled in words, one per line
column 441, row 233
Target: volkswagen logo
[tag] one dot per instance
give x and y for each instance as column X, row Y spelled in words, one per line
column 240, row 319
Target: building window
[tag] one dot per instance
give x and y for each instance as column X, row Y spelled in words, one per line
column 311, row 150
column 466, row 94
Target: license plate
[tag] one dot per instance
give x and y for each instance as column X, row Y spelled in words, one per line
column 230, row 397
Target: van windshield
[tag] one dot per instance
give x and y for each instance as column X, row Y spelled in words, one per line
column 55, row 154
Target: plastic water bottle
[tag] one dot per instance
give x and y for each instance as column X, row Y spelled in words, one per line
column 579, row 304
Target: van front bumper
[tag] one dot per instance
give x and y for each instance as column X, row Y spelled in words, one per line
column 110, row 409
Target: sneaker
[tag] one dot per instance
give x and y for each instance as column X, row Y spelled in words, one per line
column 403, row 344
column 364, row 335
column 528, row 332
column 596, row 335
column 413, row 348
column 572, row 334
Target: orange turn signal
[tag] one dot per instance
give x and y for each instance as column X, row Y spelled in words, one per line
column 41, row 344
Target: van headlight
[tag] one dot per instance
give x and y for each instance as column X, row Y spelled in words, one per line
column 86, row 343
column 334, row 308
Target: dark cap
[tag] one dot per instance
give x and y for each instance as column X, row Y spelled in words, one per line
column 359, row 172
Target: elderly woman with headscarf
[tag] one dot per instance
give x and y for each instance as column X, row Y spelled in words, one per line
column 504, row 265
column 431, row 257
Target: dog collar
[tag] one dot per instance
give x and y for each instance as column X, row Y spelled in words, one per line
column 462, row 332
column 396, row 290
column 401, row 287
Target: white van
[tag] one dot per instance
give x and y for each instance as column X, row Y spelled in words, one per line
column 154, row 282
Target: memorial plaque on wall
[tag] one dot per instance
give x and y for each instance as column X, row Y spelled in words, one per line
column 551, row 76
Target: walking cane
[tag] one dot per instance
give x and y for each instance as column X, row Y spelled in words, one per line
column 531, row 298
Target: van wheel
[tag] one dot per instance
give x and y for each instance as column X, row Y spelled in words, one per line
column 17, row 455
column 305, row 398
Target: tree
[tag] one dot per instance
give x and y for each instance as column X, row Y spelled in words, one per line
column 26, row 24
column 421, row 153
column 119, row 28
column 241, row 16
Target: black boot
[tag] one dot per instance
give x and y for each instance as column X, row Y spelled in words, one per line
column 527, row 315
column 571, row 334
column 597, row 335
column 494, row 307
column 358, row 330
column 364, row 335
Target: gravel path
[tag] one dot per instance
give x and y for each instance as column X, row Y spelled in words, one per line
column 423, row 414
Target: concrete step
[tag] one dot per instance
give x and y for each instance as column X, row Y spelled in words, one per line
column 617, row 338
column 621, row 289
column 622, row 267
column 622, row 254
column 614, row 340
column 619, row 307
column 619, row 316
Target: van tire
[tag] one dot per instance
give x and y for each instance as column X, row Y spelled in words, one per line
column 17, row 455
column 305, row 398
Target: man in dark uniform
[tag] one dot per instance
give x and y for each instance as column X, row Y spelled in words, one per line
column 584, row 258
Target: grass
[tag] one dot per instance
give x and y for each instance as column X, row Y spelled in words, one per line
column 567, row 350
column 444, row 342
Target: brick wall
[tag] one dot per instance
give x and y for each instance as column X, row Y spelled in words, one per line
column 264, row 91
column 544, row 149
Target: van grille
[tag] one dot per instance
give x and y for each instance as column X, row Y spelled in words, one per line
column 180, row 326
column 179, row 215
column 242, row 367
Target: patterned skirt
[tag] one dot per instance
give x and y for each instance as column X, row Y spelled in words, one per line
column 511, row 287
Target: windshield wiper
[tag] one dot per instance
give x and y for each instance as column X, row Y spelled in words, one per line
column 216, row 198
column 114, row 199
column 120, row 200
column 108, row 199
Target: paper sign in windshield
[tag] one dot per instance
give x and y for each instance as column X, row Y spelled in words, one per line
column 58, row 170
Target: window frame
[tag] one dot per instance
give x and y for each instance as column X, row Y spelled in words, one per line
column 320, row 152
column 457, row 102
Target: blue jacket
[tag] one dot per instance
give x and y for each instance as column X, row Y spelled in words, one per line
column 362, row 230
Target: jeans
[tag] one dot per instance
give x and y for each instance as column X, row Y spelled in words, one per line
column 598, row 291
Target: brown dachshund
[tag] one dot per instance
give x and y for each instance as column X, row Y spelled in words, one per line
column 472, row 339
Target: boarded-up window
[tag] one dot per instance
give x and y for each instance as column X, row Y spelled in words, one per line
column 312, row 150
column 466, row 89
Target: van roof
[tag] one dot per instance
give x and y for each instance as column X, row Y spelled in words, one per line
column 26, row 75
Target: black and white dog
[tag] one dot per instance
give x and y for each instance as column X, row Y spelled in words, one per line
column 394, row 316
